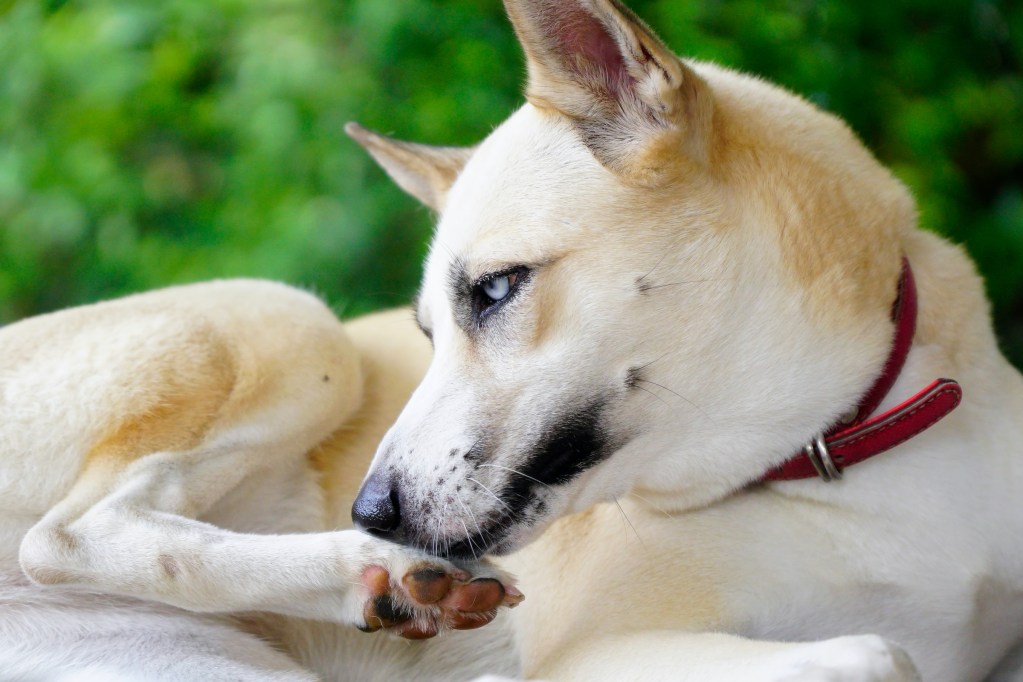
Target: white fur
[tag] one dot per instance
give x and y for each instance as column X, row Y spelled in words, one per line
column 771, row 242
column 126, row 547
column 735, row 246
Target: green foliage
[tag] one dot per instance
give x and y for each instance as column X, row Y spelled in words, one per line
column 147, row 143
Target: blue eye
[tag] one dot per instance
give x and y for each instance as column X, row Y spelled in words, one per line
column 492, row 291
column 498, row 288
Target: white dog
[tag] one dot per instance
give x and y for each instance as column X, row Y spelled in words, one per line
column 674, row 286
column 658, row 291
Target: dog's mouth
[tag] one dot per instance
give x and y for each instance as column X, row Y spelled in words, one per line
column 470, row 550
column 509, row 499
column 476, row 546
column 493, row 535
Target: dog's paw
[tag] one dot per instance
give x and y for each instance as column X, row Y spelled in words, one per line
column 432, row 595
column 864, row 658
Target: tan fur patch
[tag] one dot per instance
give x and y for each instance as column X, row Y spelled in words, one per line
column 195, row 387
column 613, row 579
column 53, row 576
column 64, row 541
column 170, row 566
column 547, row 302
column 837, row 220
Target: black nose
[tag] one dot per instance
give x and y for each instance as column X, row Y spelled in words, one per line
column 376, row 509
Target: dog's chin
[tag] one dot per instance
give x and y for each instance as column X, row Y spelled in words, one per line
column 496, row 544
column 467, row 551
column 476, row 547
column 507, row 546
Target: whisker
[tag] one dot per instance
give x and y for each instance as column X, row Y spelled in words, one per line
column 640, row 497
column 649, row 392
column 629, row 521
column 445, row 247
column 677, row 394
column 500, row 501
column 651, row 287
column 642, row 367
column 498, row 466
column 471, row 515
column 468, row 539
column 474, row 444
column 444, row 514
column 656, row 265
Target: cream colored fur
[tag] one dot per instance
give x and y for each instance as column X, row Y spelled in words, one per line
column 707, row 263
column 163, row 462
column 709, row 255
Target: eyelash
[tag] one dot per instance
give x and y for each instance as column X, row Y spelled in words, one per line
column 483, row 305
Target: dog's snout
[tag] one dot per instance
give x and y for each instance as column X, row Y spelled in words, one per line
column 376, row 509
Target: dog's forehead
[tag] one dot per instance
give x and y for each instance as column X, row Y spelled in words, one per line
column 530, row 172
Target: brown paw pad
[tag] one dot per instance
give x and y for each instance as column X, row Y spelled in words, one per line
column 482, row 594
column 427, row 585
column 470, row 621
column 416, row 630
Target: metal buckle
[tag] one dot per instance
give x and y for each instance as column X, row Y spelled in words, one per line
column 819, row 456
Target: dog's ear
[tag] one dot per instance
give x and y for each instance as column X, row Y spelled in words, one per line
column 635, row 103
column 423, row 171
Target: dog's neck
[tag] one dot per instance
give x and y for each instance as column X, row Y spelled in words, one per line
column 859, row 436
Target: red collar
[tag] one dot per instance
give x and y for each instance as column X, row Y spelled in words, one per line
column 860, row 436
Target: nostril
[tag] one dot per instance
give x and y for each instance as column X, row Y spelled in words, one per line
column 376, row 509
column 395, row 506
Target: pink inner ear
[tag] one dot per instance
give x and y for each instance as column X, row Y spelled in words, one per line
column 585, row 46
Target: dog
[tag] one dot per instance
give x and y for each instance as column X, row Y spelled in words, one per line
column 702, row 383
column 657, row 298
column 175, row 460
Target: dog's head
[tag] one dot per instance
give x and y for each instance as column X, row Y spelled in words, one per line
column 657, row 276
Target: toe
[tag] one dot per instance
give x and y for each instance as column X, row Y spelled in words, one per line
column 477, row 596
column 470, row 621
column 416, row 630
column 377, row 580
column 427, row 585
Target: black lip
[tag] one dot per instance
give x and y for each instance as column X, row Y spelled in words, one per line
column 486, row 541
column 573, row 444
column 466, row 550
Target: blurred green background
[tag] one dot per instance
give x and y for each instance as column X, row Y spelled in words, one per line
column 144, row 143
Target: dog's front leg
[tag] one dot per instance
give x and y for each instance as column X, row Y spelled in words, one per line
column 139, row 540
column 662, row 655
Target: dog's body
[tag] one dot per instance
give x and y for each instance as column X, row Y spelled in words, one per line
column 230, row 402
column 655, row 283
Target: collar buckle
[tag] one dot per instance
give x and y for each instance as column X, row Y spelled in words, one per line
column 820, row 457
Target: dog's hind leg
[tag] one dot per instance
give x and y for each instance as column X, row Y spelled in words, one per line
column 68, row 635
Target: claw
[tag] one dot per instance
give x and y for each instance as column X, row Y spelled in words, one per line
column 512, row 596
